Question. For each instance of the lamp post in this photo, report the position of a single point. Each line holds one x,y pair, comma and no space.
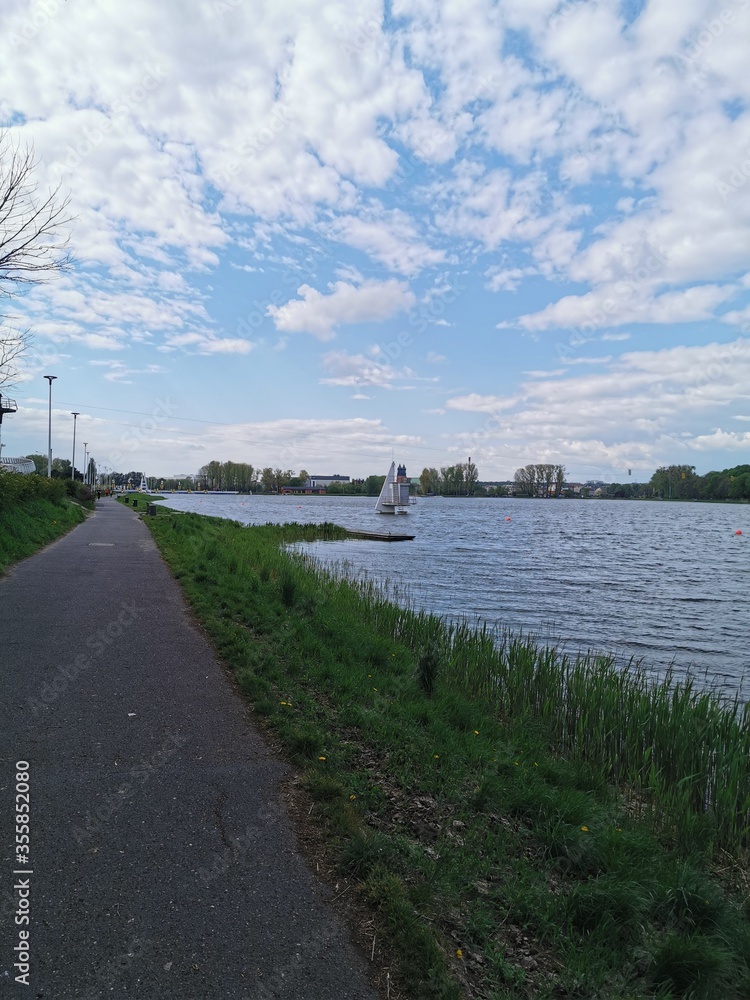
73,464
85,457
50,379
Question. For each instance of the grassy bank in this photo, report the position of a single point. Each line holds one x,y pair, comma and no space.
520,825
34,511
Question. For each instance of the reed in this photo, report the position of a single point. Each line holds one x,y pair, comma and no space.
683,750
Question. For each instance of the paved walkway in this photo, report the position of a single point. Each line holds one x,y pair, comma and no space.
163,863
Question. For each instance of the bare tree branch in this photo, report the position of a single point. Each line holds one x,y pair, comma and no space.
14,345
34,241
33,231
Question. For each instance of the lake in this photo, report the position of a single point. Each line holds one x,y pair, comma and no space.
662,582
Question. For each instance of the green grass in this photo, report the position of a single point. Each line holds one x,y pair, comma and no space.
34,511
520,824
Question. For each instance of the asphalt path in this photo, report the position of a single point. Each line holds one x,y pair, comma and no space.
161,860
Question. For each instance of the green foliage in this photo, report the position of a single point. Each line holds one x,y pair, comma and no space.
532,795
427,669
33,511
15,489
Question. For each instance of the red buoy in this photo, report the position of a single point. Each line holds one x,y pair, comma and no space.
507,519
738,532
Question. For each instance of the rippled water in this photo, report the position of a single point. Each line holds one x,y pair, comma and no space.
663,582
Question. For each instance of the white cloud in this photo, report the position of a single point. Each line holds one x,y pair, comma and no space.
618,304
389,237
358,370
319,314
476,403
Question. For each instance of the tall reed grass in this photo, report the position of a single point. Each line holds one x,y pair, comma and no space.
680,752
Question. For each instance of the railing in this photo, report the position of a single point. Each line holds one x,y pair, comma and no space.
23,465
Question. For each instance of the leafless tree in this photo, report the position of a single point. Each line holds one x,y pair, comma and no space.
34,241
14,345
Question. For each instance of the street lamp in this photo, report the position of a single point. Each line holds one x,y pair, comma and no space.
85,457
73,465
50,379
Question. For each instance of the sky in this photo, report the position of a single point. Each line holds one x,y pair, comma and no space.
322,235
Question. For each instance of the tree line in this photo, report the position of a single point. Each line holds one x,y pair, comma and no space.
681,482
459,480
540,480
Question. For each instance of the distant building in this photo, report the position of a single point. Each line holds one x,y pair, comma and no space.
314,481
306,489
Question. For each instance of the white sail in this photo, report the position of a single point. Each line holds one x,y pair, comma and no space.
385,498
394,496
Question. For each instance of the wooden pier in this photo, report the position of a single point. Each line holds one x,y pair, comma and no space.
379,536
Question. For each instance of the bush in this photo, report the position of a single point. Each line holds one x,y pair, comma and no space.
16,488
78,491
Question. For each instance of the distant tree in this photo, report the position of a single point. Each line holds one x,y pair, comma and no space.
40,464
559,479
525,481
543,479
429,481
471,475
373,485
676,482
452,477
61,468
267,479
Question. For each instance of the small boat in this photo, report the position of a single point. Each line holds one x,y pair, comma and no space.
394,497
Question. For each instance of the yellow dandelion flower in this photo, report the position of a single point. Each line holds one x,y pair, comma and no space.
436,756
459,953
321,758
585,829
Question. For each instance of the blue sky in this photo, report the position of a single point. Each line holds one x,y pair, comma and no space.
316,234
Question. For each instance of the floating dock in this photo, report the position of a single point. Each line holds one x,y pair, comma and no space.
380,536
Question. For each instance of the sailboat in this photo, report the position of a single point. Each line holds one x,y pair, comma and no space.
394,497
